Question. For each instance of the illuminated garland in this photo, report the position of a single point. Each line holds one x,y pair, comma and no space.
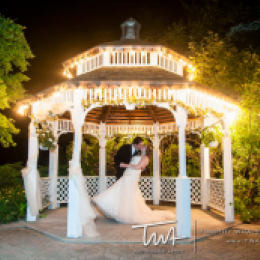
143,102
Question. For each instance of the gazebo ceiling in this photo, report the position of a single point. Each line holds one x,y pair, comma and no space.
119,115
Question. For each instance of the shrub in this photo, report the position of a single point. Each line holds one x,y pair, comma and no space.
12,204
170,161
12,197
10,175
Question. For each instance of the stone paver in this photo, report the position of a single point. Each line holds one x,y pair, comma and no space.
27,244
55,226
20,241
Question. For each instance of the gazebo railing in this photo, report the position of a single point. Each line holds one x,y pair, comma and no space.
168,188
216,194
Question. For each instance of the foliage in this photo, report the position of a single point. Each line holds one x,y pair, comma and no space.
12,197
170,161
211,134
247,198
12,204
89,155
221,66
246,146
45,135
62,170
10,175
217,15
176,37
14,53
246,164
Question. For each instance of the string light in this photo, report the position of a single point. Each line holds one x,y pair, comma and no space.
22,109
56,94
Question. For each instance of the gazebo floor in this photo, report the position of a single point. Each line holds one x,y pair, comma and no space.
55,226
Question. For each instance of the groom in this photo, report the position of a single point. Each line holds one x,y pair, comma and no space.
125,153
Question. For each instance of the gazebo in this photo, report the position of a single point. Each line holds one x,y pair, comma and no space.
128,87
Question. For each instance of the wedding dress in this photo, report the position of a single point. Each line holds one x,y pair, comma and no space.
123,201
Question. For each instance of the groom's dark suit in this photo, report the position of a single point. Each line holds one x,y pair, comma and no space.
124,155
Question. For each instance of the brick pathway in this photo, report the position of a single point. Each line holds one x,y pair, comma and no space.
28,244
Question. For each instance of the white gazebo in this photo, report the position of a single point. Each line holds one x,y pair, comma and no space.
129,86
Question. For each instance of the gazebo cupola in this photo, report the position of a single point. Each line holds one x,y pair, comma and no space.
129,87
130,29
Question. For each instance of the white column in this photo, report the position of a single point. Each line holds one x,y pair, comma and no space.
102,158
205,175
74,228
53,173
156,166
32,163
228,175
183,204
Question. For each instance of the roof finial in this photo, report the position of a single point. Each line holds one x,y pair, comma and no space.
130,29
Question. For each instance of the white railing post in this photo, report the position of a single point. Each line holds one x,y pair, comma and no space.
53,173
205,175
228,175
53,169
156,166
102,158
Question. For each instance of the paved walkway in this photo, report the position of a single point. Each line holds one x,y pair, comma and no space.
17,242
55,226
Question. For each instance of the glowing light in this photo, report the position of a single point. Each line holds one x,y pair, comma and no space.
132,52
191,77
193,69
22,108
56,94
170,55
190,66
231,117
64,73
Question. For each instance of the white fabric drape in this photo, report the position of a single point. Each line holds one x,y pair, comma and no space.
86,212
34,198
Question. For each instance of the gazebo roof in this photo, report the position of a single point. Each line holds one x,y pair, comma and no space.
127,42
131,74
131,67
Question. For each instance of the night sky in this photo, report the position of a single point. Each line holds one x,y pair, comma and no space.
59,30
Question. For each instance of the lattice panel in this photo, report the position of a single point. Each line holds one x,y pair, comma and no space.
195,191
46,187
168,188
91,184
62,189
216,194
110,180
146,187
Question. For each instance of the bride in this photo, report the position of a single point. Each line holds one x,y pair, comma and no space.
123,201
